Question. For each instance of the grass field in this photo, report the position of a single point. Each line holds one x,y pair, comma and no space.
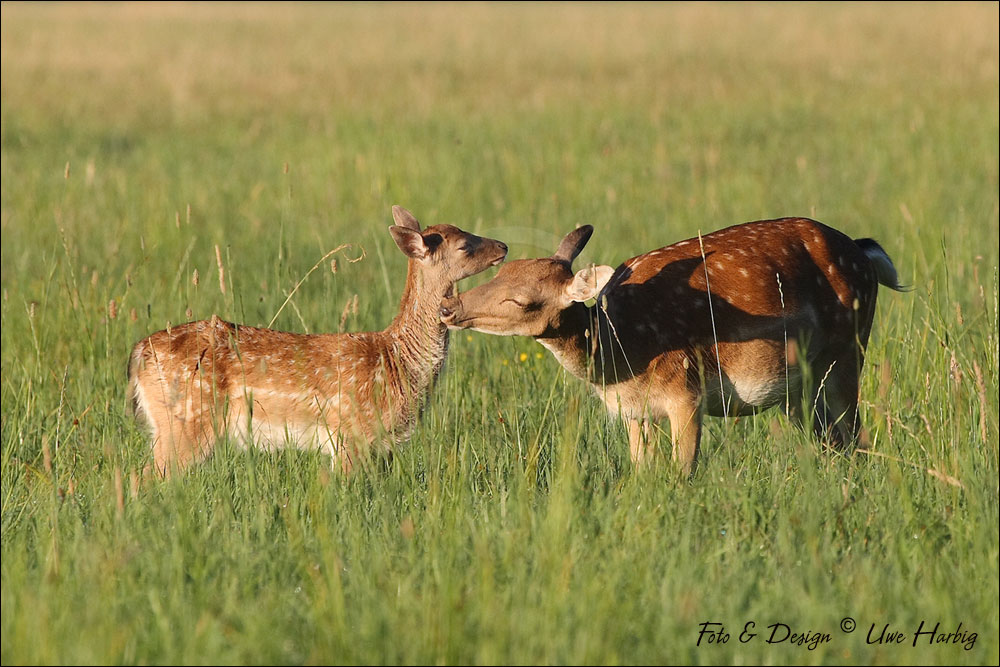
140,141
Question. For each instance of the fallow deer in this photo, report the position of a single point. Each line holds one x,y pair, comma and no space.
722,324
346,394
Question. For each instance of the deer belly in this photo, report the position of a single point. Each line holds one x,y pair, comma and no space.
272,419
747,394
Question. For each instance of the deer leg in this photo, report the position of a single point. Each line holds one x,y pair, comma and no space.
839,397
685,431
347,457
183,437
793,409
832,400
173,455
639,443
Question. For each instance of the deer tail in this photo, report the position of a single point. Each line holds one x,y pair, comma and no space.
884,268
134,359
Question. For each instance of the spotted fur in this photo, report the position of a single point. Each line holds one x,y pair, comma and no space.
346,394
726,324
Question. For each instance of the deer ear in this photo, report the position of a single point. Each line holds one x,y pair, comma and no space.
573,244
409,241
588,283
404,218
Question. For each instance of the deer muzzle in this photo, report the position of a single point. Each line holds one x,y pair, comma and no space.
450,312
502,249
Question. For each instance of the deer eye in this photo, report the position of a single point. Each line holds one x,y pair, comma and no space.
524,305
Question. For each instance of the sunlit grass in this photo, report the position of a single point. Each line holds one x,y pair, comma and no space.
148,149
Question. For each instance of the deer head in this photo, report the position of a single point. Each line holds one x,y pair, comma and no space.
447,252
530,297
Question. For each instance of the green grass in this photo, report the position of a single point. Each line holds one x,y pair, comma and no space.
512,527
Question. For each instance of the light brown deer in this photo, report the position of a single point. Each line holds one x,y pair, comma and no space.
726,324
344,393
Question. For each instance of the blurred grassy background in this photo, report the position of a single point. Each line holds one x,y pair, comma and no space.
137,138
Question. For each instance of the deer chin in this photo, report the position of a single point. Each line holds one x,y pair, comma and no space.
491,332
470,324
454,322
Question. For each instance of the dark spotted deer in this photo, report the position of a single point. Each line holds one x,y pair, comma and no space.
725,324
344,393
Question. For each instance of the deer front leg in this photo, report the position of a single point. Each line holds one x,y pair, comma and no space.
685,431
640,446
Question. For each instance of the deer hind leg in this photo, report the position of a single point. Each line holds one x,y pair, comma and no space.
183,434
175,454
839,400
180,447
831,401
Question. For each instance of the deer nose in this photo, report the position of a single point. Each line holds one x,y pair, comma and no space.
447,314
503,252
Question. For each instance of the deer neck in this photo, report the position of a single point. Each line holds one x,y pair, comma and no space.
417,338
572,341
